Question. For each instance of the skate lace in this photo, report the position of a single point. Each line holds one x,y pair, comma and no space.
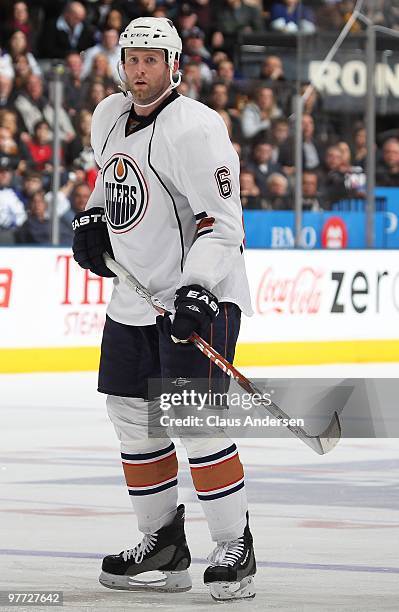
227,553
137,553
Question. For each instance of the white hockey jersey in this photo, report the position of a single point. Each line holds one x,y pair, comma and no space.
170,190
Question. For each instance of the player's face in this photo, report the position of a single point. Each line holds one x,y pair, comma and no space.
147,74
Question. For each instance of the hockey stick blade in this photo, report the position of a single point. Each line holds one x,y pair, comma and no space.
321,444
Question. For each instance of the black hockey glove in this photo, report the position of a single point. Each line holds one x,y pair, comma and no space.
91,240
196,308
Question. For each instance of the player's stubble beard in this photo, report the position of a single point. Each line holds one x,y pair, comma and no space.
152,93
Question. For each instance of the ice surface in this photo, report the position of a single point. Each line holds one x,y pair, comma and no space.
325,528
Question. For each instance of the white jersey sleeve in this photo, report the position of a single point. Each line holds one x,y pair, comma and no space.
207,172
101,123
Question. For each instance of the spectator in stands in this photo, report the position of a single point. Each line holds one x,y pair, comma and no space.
359,148
258,115
22,72
193,84
289,16
37,227
234,18
219,56
187,18
9,120
225,74
272,69
312,150
31,183
69,179
20,20
355,177
388,170
279,133
73,83
12,212
95,94
161,11
109,46
6,94
329,16
40,147
194,50
9,147
11,144
32,106
310,192
68,33
204,12
334,180
334,15
218,100
249,191
313,105
278,197
102,71
115,21
18,45
79,198
79,152
98,13
272,75
138,8
261,164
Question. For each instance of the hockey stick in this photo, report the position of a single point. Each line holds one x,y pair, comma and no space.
322,444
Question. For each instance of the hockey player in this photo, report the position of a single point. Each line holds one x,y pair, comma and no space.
166,206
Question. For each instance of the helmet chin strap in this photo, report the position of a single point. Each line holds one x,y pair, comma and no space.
173,84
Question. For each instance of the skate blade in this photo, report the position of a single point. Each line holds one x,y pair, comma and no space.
231,591
164,582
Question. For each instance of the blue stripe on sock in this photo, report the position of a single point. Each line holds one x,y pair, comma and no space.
222,453
221,494
163,487
143,456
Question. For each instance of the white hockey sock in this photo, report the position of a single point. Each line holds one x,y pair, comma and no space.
218,478
151,479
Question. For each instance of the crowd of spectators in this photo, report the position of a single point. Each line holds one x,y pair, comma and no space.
83,37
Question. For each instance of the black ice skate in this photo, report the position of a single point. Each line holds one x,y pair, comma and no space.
230,575
165,551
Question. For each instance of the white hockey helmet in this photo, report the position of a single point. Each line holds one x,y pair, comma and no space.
153,33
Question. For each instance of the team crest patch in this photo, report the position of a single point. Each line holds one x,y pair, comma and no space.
126,193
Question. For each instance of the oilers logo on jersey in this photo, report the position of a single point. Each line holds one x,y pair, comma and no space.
126,193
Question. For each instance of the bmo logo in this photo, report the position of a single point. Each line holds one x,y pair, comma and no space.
334,234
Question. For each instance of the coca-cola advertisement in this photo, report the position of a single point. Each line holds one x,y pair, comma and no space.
322,295
296,294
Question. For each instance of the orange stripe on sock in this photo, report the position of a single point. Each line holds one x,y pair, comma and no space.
148,474
211,477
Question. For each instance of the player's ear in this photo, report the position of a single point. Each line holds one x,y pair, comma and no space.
175,66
